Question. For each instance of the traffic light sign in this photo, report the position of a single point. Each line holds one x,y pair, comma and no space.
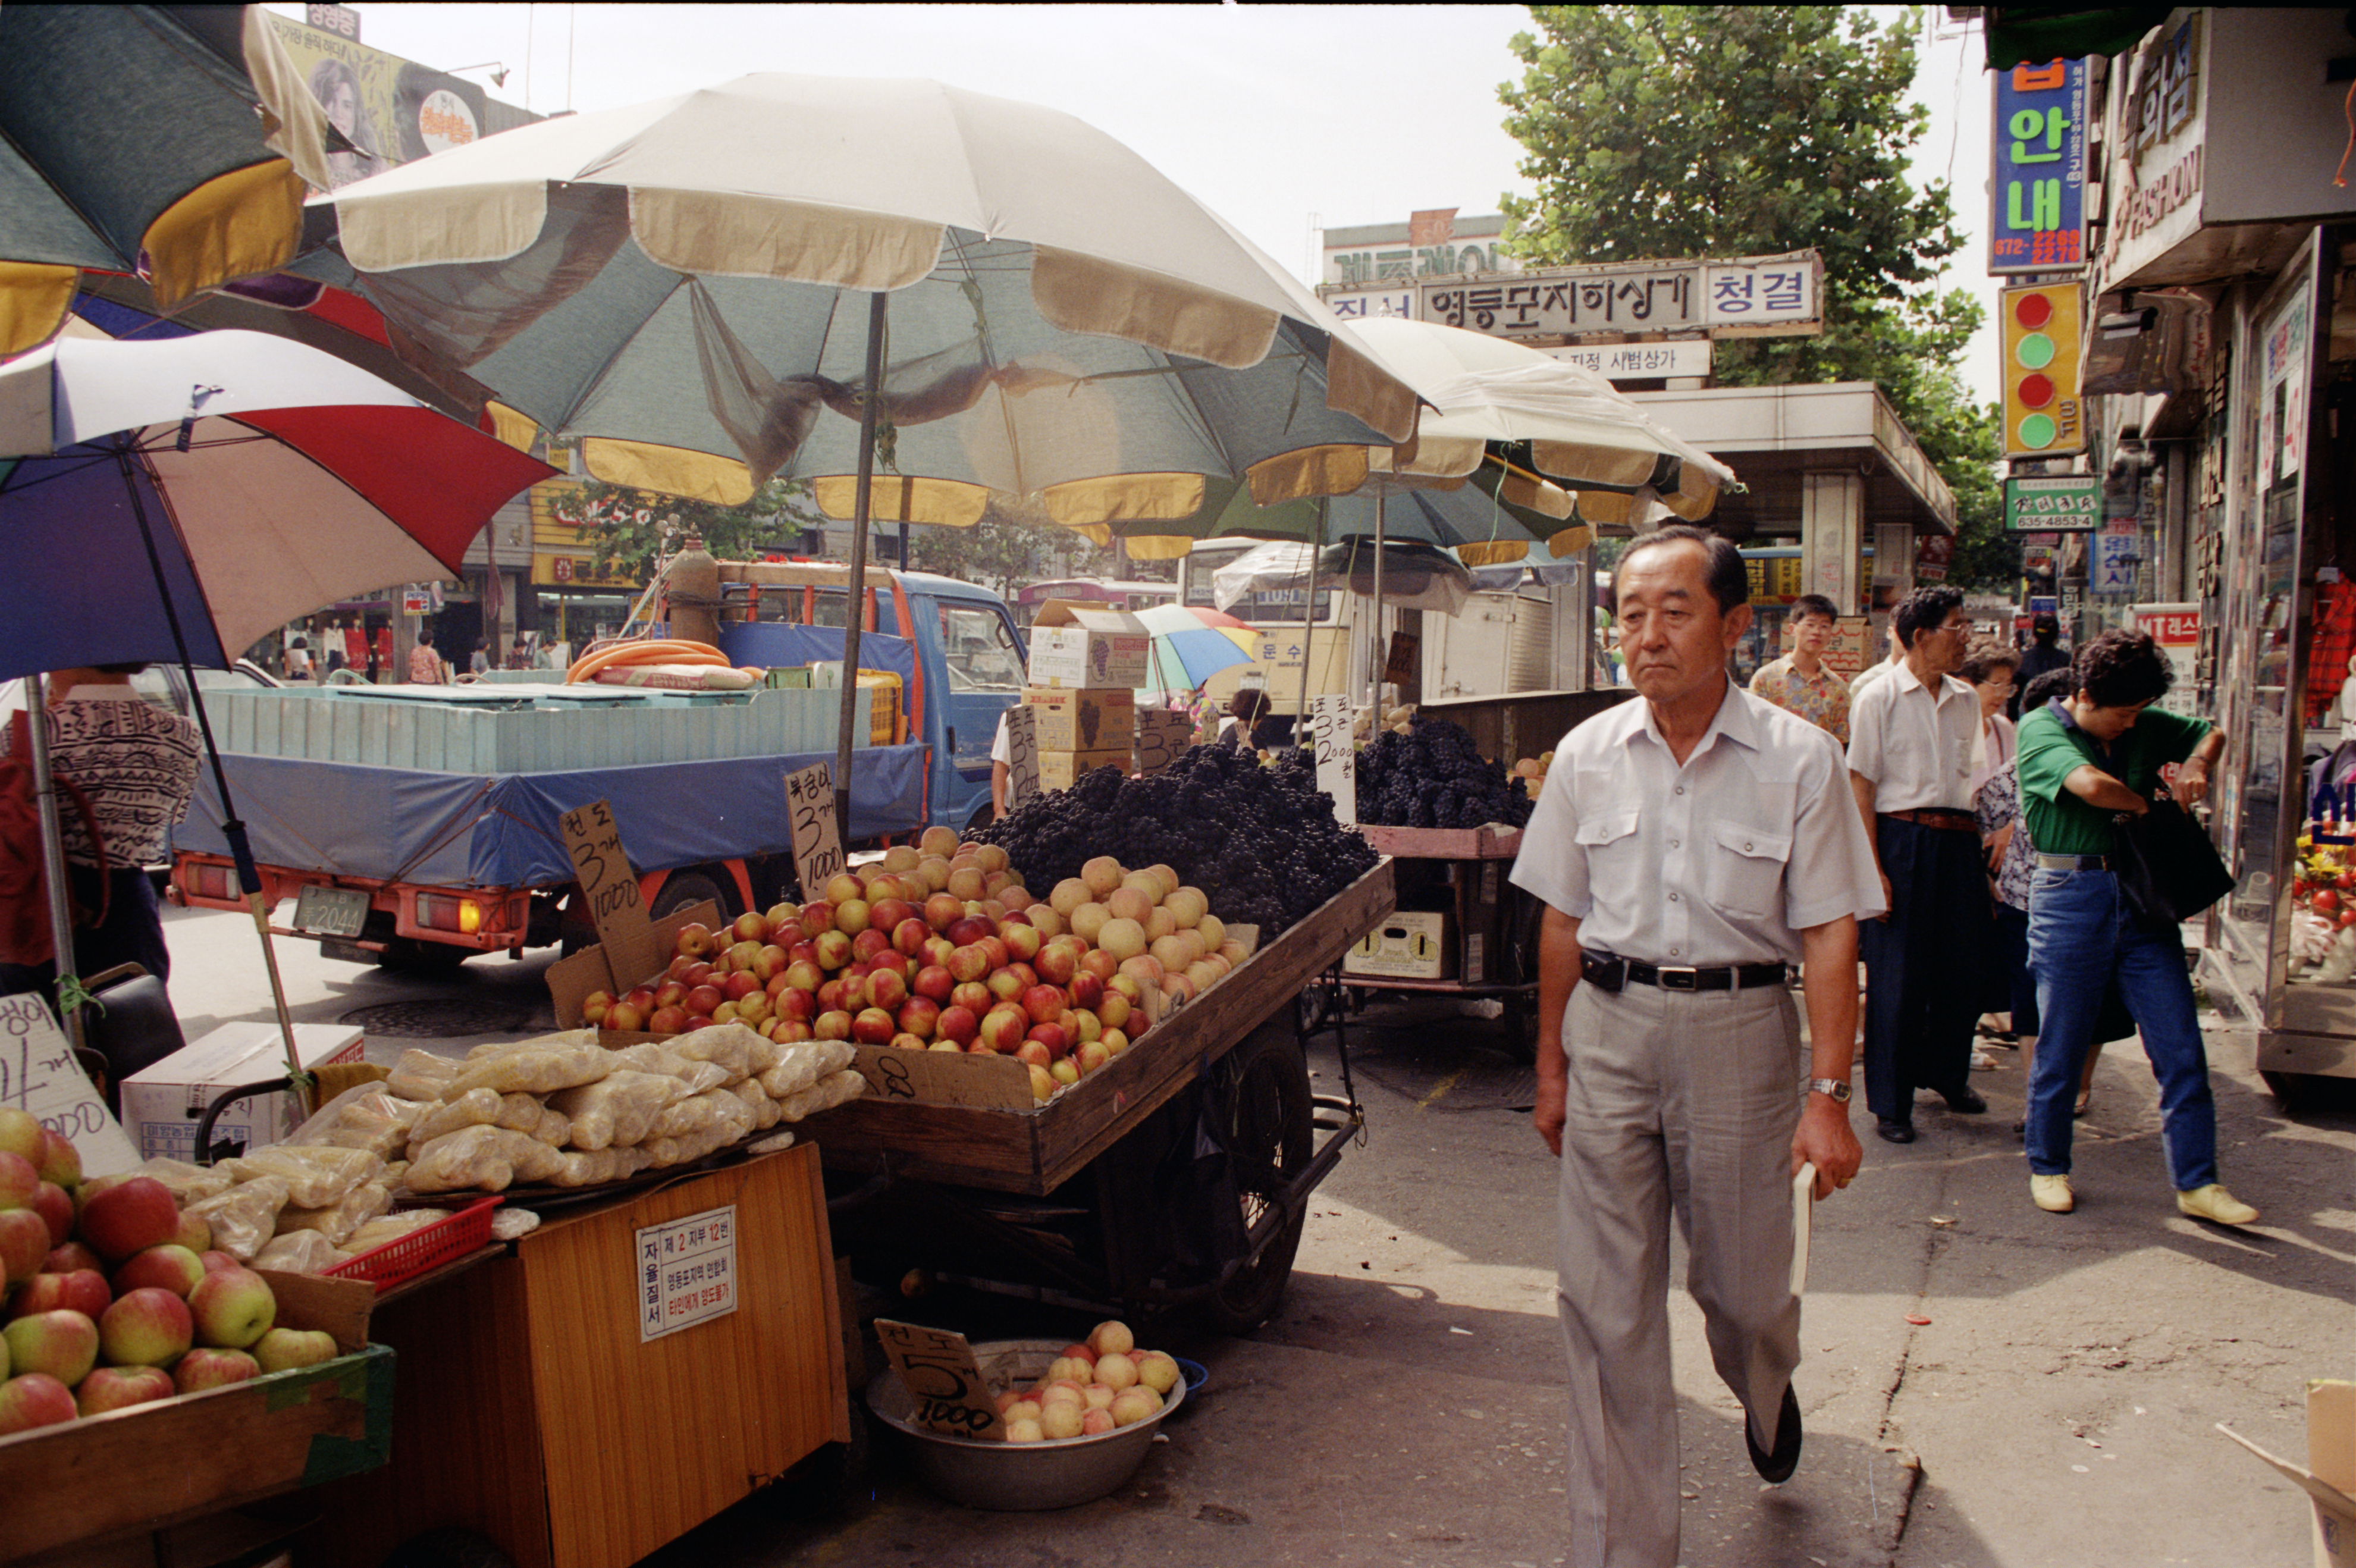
2044,416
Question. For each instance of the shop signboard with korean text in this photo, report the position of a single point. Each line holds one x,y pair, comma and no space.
2038,218
687,1273
2056,503
1751,296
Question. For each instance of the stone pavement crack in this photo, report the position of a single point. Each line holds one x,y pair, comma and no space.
1891,1516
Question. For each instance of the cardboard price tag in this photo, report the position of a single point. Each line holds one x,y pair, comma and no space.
611,888
38,1075
1021,756
818,838
1404,662
1337,759
951,1393
1161,738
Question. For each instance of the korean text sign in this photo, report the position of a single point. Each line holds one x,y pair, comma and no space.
2038,222
687,1273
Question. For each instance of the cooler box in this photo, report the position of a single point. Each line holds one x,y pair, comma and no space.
1408,945
162,1104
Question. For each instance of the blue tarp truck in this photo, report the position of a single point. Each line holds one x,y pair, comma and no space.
415,826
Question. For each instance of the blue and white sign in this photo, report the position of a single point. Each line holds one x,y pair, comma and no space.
2117,552
2038,222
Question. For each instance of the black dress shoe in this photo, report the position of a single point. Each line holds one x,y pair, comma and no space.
1966,1102
1890,1130
1777,1468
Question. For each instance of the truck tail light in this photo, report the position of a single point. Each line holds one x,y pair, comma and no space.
200,879
441,912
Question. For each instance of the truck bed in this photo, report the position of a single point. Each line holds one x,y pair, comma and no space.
475,830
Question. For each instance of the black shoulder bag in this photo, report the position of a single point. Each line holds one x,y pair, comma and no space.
2167,869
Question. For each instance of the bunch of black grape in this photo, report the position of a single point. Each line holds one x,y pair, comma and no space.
1261,843
1433,776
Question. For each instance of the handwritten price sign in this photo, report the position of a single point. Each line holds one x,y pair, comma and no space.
1021,756
1337,759
610,885
951,1396
1161,738
38,1075
817,839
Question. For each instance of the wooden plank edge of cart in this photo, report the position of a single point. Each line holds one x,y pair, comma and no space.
905,1146
1513,965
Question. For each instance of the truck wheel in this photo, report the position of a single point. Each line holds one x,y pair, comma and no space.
407,955
686,887
1265,1112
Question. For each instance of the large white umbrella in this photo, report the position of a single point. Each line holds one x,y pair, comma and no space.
705,288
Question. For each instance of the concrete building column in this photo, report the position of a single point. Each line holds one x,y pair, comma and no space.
1831,537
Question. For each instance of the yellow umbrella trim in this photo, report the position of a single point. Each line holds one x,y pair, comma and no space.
1574,461
1086,293
517,430
1572,540
1493,552
673,470
1125,498
722,235
234,225
1157,546
1310,471
896,498
35,300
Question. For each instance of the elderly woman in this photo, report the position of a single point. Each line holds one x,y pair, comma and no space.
1989,669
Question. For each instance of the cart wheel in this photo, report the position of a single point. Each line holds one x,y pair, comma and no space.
1270,1130
448,1549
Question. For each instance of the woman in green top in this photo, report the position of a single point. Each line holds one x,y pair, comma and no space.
2084,763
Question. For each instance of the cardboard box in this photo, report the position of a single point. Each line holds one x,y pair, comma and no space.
1061,769
1408,945
2328,1477
163,1103
1088,646
1162,736
1074,718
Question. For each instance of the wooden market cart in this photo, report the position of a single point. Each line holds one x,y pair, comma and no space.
533,1411
1462,872
1178,1174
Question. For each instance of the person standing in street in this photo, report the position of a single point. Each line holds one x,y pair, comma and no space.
1801,681
425,666
2084,763
2042,656
135,762
1688,848
1910,762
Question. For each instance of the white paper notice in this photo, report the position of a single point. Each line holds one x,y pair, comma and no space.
687,1273
1337,759
39,1074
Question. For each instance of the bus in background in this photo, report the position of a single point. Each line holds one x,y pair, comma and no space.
1119,594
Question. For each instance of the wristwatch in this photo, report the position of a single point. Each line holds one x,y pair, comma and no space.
1837,1087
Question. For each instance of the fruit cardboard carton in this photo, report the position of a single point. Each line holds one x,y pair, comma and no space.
1077,644
130,1471
2328,1477
1061,769
163,1103
1071,718
571,979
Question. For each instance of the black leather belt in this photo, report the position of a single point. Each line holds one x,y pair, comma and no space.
2072,862
1609,971
1939,818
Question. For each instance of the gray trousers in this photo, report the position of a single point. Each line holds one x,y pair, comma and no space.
1679,1103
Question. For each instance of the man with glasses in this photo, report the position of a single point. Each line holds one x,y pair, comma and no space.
1909,759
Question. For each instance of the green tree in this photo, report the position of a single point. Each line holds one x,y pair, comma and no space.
628,527
1011,545
1674,131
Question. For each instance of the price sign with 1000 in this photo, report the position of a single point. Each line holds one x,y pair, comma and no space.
1021,755
945,1382
818,838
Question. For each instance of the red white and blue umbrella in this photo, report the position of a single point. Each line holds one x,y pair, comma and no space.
254,477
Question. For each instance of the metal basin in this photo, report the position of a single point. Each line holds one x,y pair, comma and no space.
1017,1477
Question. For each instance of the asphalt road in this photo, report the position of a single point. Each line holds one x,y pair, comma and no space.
2052,1405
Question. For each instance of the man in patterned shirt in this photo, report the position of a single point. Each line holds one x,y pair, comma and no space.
1801,682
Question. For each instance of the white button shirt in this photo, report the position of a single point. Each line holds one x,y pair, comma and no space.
1915,745
1723,860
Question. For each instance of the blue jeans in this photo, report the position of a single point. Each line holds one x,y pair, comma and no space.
2082,938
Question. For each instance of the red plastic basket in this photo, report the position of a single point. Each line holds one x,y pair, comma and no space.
427,1248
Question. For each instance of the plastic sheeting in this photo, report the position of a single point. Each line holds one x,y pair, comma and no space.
773,645
451,830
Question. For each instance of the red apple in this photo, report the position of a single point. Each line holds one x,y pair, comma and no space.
783,916
753,1009
33,1400
1033,1053
865,944
854,989
834,1024
795,1003
818,918
641,997
874,1026
850,916
679,967
936,983
893,960
1000,955
1021,936
1057,962
920,1016
1002,1028
752,928
968,928
906,1042
958,1024
702,999
132,1218
1051,1036
842,886
84,1291
974,994
803,951
73,1255
937,949
790,1031
886,990
1014,915
623,1019
769,962
697,973
1005,984
168,1267
216,1261
1044,1003
943,910
593,1005
968,963
911,935
120,1388
1086,989
740,985
1100,963
670,1020
694,939
804,974
886,914
670,994
1114,1010
51,1202
829,995
833,949
743,956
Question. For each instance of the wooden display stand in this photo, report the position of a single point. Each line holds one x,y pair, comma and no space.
530,1409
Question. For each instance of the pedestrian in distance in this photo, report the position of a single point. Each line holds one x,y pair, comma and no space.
479,662
1801,681
1688,848
1989,669
1910,758
2042,656
298,658
2084,762
425,666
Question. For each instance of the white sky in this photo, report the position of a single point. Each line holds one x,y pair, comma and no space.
1282,118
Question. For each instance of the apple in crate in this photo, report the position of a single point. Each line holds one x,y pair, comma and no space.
83,1291
233,1308
284,1347
170,1267
20,1179
24,1242
874,1026
34,1400
146,1327
209,1368
119,1388
62,1344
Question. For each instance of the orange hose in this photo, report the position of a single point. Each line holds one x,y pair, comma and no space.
657,650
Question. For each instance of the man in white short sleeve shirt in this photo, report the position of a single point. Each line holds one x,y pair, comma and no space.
1688,847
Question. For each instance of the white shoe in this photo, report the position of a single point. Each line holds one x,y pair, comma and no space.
2214,1204
1982,1061
2052,1194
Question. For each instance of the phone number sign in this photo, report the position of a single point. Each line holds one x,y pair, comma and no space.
687,1273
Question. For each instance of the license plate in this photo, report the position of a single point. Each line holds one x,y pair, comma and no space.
331,911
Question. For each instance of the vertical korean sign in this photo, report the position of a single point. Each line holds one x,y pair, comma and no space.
2037,223
687,1273
1337,759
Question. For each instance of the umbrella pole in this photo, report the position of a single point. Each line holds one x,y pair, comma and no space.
53,857
855,603
1375,691
248,875
1309,624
